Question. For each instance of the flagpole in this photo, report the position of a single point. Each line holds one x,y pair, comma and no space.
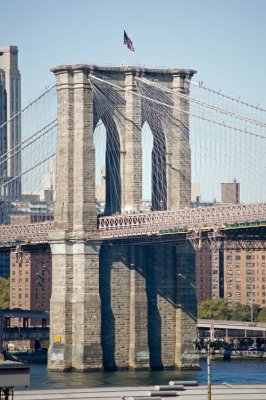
124,62
127,42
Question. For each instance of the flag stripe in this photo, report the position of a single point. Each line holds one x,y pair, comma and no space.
128,42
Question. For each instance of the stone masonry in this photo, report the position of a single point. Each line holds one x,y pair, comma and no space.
118,305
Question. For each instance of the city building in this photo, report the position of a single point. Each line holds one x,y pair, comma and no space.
30,279
245,277
209,273
10,133
30,269
230,192
237,275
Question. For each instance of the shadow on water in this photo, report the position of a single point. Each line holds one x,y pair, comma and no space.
234,372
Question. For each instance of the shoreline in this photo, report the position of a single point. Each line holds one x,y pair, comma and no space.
41,358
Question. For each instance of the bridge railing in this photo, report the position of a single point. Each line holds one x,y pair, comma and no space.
191,219
32,233
151,223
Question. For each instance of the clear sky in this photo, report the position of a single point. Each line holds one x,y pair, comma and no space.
224,40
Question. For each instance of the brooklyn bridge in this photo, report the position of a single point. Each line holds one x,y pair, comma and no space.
123,293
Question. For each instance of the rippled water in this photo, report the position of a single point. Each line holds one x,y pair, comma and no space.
235,371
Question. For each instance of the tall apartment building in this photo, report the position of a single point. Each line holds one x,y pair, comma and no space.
30,279
245,277
237,275
10,133
209,273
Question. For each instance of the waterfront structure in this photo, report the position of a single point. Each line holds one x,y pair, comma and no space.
10,104
124,305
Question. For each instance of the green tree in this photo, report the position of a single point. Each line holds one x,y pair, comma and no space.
221,309
261,317
214,309
4,293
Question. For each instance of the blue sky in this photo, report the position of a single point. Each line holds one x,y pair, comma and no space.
224,40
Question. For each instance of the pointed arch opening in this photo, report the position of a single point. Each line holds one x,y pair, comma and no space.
154,165
107,168
147,146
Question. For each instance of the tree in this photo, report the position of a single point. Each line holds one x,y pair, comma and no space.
262,315
214,309
4,293
221,309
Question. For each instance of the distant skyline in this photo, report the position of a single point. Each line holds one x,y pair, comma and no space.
223,40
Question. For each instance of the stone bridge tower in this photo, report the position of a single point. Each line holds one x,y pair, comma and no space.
126,305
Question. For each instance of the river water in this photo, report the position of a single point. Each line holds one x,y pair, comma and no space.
234,371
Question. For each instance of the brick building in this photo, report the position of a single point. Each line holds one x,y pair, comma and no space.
236,275
30,279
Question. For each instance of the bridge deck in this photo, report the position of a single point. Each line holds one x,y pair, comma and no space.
153,223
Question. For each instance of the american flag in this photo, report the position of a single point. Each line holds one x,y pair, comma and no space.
128,42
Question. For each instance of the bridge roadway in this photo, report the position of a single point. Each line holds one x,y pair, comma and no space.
127,225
